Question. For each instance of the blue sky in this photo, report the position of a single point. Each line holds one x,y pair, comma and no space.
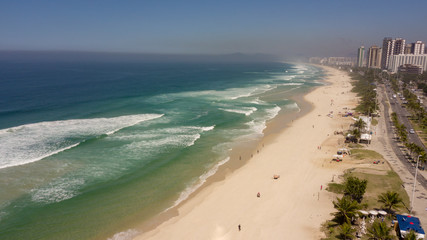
286,28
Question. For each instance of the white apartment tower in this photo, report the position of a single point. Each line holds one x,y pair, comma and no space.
418,48
360,56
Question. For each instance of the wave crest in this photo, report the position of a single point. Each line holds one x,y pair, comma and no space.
33,142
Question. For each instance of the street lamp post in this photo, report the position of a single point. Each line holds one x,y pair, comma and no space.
415,182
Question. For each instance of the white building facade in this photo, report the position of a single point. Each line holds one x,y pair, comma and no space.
396,61
418,47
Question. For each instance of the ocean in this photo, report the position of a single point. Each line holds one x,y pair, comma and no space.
90,149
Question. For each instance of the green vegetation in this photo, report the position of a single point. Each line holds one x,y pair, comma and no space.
411,235
346,209
346,232
374,122
378,184
336,188
364,85
390,200
355,188
417,110
360,124
365,154
387,186
380,231
400,128
403,135
422,86
355,145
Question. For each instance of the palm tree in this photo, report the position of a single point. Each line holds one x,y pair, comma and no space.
411,147
360,124
346,232
402,133
356,133
390,200
347,209
379,231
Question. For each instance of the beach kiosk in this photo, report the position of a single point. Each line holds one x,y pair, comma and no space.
406,223
365,138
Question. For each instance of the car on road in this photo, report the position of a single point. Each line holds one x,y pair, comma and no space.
411,131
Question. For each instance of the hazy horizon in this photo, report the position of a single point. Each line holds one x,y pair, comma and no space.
288,30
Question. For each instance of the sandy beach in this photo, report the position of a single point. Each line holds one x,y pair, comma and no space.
291,207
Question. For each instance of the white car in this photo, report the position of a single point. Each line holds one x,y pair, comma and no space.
411,131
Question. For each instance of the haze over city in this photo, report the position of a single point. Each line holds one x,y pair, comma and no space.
283,28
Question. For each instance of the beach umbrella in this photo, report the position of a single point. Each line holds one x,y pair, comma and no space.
382,212
363,212
373,212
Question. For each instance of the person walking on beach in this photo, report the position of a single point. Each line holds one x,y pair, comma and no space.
239,227
258,194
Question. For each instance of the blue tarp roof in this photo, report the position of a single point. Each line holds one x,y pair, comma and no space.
408,223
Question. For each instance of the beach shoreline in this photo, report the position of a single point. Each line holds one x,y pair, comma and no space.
185,215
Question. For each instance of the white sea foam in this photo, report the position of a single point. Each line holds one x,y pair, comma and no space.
198,183
272,112
33,142
155,140
256,127
245,110
214,95
258,101
57,191
293,106
126,235
292,84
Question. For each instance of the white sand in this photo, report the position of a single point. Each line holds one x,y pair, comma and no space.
291,207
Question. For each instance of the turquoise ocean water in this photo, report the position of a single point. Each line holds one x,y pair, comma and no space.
89,149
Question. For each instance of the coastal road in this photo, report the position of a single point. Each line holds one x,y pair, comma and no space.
400,109
389,126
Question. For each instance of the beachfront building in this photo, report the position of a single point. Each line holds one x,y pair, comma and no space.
391,47
411,69
374,57
388,44
398,60
360,56
399,46
418,48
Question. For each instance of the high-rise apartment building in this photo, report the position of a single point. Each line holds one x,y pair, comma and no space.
360,56
418,47
399,46
388,44
391,47
374,57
